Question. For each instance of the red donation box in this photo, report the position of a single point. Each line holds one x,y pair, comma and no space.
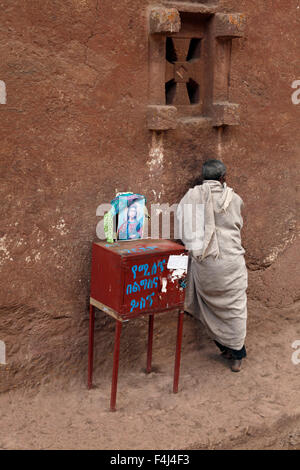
130,279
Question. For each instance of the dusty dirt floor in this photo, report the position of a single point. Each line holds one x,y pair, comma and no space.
258,408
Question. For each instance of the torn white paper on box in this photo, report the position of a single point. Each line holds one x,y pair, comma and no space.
178,262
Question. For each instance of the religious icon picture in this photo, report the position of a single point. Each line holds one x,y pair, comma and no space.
131,217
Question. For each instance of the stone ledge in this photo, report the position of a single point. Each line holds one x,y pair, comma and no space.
230,25
225,114
195,122
161,118
193,7
164,117
164,20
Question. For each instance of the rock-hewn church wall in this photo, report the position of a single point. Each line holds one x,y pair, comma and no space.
74,92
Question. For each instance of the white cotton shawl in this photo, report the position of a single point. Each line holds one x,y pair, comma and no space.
196,217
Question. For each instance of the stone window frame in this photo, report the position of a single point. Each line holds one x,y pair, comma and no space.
164,21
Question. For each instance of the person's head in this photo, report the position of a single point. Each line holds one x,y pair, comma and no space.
214,170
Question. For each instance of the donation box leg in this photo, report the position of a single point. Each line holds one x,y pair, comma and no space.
114,383
91,346
178,351
150,343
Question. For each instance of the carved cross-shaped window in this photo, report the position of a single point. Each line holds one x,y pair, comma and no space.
183,70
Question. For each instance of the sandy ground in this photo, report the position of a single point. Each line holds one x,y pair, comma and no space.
214,409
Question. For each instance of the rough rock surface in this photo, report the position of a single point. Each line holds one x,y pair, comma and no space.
73,131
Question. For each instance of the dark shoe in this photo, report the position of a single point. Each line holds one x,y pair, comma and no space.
226,354
236,365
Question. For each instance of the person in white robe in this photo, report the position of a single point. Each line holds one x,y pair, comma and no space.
210,222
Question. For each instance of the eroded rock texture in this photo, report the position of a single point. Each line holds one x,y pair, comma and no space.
73,131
